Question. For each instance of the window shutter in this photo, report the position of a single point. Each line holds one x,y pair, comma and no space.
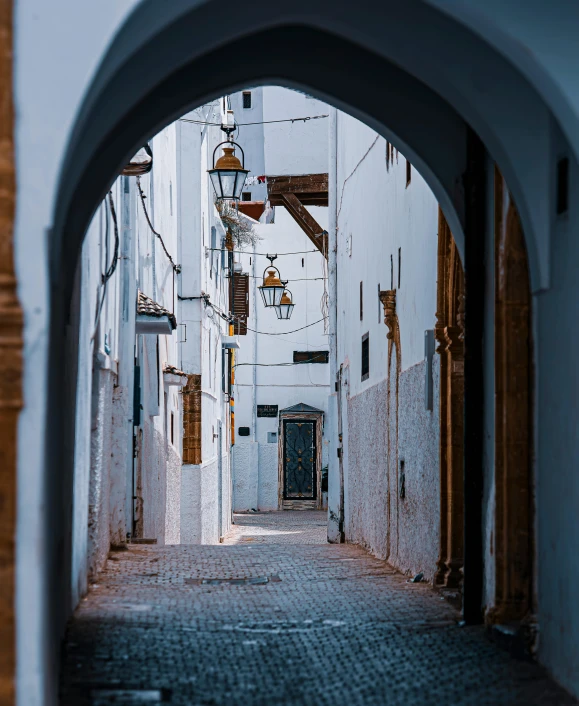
192,420
240,303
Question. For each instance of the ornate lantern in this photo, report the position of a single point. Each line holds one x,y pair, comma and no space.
272,289
228,173
286,306
141,163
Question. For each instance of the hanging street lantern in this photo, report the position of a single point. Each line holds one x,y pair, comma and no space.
228,173
286,306
272,289
141,163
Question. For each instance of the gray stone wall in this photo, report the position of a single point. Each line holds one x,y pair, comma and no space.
418,514
100,468
383,431
154,481
122,404
268,477
173,504
200,504
245,460
367,501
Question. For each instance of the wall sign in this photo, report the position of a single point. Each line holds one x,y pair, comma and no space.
267,410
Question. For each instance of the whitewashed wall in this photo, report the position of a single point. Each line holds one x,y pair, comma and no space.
205,488
160,455
387,239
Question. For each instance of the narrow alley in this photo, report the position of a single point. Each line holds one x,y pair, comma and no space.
288,353
276,615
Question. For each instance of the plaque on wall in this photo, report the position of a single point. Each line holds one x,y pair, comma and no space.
243,431
267,410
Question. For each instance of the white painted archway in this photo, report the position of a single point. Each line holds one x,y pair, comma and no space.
421,73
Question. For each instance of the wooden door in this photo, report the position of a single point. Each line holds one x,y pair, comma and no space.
300,472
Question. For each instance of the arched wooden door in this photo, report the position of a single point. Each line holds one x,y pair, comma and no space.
513,532
449,332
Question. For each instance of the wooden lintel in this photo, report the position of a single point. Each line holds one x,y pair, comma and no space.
307,199
307,222
297,184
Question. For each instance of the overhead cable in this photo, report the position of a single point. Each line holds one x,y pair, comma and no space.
260,122
114,261
176,268
265,254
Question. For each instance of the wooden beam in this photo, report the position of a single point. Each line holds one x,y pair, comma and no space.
317,199
307,222
298,184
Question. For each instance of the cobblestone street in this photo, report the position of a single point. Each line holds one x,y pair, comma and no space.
277,616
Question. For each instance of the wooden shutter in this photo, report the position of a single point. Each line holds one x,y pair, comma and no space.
192,420
240,302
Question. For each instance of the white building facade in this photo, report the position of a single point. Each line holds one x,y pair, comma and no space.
282,368
384,483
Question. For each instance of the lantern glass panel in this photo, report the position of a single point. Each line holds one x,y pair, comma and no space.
284,311
271,295
239,184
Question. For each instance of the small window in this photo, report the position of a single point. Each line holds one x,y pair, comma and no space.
247,99
246,196
365,356
361,301
172,428
303,261
311,356
272,437
408,173
562,186
243,431
399,265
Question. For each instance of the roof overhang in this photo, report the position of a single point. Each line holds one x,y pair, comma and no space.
174,379
156,325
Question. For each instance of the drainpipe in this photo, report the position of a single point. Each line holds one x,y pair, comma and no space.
254,353
126,377
335,481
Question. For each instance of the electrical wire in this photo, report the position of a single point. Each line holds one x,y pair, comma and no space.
274,365
262,122
115,259
303,279
176,268
351,174
235,319
265,254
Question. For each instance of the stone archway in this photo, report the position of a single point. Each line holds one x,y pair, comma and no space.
157,57
513,533
449,333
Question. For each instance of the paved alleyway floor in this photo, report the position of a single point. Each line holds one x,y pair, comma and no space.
276,615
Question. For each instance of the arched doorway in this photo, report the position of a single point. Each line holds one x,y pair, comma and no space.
144,88
513,533
104,140
449,333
